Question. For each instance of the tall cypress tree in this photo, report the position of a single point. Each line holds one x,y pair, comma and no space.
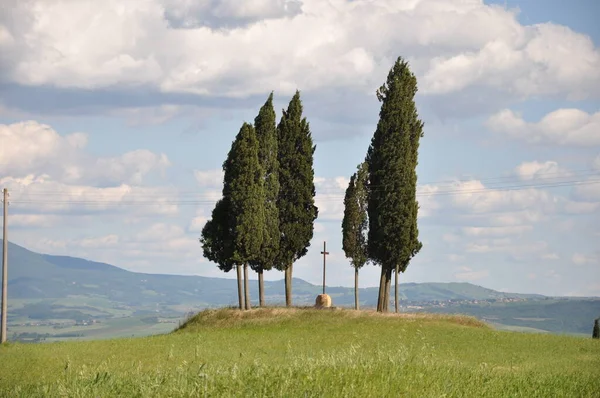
355,223
296,205
596,330
244,190
217,244
392,160
266,133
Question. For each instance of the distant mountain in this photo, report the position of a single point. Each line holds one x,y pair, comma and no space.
47,291
39,276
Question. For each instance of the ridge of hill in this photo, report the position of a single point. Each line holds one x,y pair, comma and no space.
34,275
48,292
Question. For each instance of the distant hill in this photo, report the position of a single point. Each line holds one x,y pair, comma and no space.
38,276
50,290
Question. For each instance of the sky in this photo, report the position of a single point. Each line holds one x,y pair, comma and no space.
116,117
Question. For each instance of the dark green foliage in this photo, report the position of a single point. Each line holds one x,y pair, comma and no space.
297,210
596,332
392,159
216,237
296,204
266,133
355,222
244,190
234,234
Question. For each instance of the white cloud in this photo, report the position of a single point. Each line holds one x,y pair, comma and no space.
226,13
468,274
197,223
496,231
550,256
33,220
517,250
100,242
452,45
596,163
571,127
33,194
582,259
150,115
475,197
209,178
540,170
329,197
456,258
528,61
30,148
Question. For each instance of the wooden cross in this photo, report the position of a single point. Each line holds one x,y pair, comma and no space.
324,253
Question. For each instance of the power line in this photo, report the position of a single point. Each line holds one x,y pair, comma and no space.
334,197
198,195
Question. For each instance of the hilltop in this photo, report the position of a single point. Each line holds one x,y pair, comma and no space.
307,352
61,297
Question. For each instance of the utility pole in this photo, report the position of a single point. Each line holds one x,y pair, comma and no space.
324,253
4,267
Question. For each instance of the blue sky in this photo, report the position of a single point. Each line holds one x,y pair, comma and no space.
105,104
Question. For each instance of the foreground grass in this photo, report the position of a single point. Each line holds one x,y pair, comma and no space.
303,352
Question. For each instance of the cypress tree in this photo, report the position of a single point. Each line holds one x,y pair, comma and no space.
392,160
266,133
216,240
244,190
295,204
355,223
596,331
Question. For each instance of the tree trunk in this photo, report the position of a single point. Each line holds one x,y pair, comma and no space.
261,288
246,288
288,286
239,281
381,290
388,284
396,289
356,289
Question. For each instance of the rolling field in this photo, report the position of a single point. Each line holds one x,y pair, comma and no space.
305,353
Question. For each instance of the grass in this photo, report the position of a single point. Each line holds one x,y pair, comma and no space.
306,353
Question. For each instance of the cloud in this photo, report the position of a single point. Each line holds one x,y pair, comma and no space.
33,220
101,242
30,147
150,115
197,223
582,259
550,256
566,127
41,194
468,274
523,63
496,231
587,194
456,258
226,14
329,197
516,250
475,197
538,170
160,248
209,48
596,163
209,178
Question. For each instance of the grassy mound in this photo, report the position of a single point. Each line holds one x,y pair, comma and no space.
306,353
231,317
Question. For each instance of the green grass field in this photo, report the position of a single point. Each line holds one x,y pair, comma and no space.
310,353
